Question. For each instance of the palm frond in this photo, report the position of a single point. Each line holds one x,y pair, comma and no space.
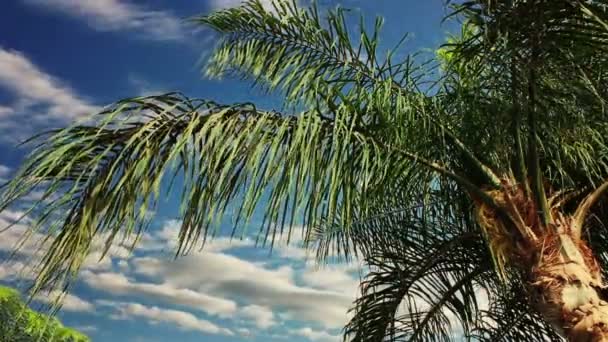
293,48
509,317
107,177
489,80
316,61
426,271
432,279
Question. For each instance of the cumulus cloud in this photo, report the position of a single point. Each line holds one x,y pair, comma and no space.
31,245
181,319
244,332
118,15
14,270
231,277
315,335
261,315
13,237
211,282
119,284
331,277
69,302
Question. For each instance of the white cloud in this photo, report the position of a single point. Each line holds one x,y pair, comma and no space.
244,332
166,239
316,336
86,328
331,277
69,302
15,270
39,99
221,4
261,315
181,319
33,87
144,87
13,237
4,170
211,281
119,284
33,246
119,15
231,277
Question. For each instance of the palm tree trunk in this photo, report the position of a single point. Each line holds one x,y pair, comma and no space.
568,291
564,278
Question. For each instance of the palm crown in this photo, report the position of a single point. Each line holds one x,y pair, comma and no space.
455,180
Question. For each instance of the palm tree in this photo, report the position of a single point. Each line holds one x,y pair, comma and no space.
470,185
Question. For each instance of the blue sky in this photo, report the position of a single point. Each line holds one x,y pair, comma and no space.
61,59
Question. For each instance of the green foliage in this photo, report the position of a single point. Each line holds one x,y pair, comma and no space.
373,159
431,278
18,323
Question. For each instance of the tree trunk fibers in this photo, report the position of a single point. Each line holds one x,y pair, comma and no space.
568,291
564,277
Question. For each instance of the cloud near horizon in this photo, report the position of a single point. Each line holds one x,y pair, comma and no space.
257,298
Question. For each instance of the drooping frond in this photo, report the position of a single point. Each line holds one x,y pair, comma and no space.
331,240
426,272
422,291
509,317
432,279
580,215
308,56
107,177
318,61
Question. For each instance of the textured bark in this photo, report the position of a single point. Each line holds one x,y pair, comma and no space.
568,290
565,280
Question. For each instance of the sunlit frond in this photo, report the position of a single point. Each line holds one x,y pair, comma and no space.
107,177
309,56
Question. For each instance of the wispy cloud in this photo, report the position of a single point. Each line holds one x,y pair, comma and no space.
263,297
144,87
39,99
87,328
119,15
228,276
5,171
34,87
